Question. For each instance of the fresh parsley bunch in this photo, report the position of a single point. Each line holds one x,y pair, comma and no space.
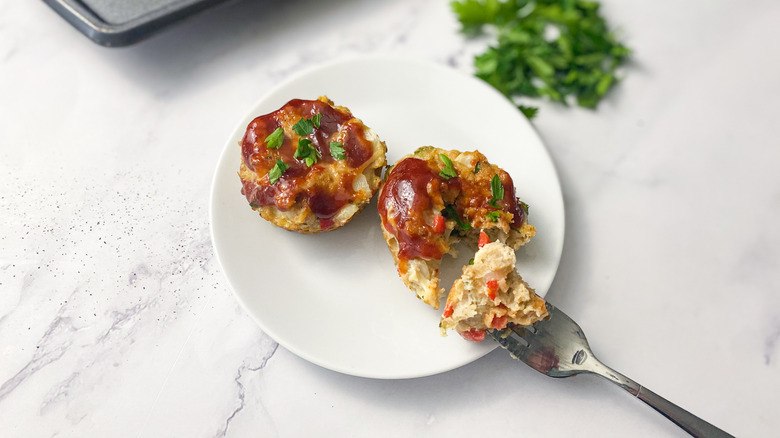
554,48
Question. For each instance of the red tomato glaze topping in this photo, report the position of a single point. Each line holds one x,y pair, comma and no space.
404,197
301,183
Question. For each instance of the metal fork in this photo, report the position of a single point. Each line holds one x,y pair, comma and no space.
556,346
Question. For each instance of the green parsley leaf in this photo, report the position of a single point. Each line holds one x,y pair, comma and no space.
276,172
304,148
553,48
337,150
528,111
497,189
275,139
316,120
471,261
307,152
422,150
474,13
304,127
493,215
448,171
450,213
476,167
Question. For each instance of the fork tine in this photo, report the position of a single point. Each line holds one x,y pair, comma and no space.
522,331
549,346
516,345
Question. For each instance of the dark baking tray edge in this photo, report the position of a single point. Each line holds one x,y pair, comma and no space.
117,35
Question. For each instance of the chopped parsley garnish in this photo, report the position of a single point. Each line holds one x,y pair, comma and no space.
275,139
448,171
553,48
528,111
316,120
493,215
337,150
277,171
422,150
304,127
471,261
450,213
307,152
476,167
497,189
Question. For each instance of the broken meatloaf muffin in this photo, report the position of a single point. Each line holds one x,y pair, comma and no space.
310,166
489,295
434,197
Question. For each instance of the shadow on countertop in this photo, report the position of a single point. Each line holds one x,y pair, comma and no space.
240,35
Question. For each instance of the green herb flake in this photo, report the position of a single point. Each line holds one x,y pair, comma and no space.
471,261
316,120
476,167
275,139
497,190
307,152
276,172
422,150
337,150
493,215
553,48
304,127
448,171
450,213
528,111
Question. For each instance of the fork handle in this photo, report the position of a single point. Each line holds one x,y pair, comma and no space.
679,416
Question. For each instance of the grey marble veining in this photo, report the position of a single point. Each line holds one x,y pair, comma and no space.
115,319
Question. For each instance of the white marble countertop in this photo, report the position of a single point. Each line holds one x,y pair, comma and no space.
115,319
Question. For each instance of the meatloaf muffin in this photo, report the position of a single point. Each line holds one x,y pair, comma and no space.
489,295
310,166
435,197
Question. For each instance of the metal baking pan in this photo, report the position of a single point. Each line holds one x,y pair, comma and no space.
116,23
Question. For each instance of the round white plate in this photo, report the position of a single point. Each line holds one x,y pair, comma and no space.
334,298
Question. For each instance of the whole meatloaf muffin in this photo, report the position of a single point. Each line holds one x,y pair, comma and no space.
490,295
433,198
310,166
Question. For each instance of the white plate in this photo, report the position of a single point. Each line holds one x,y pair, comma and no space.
334,298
